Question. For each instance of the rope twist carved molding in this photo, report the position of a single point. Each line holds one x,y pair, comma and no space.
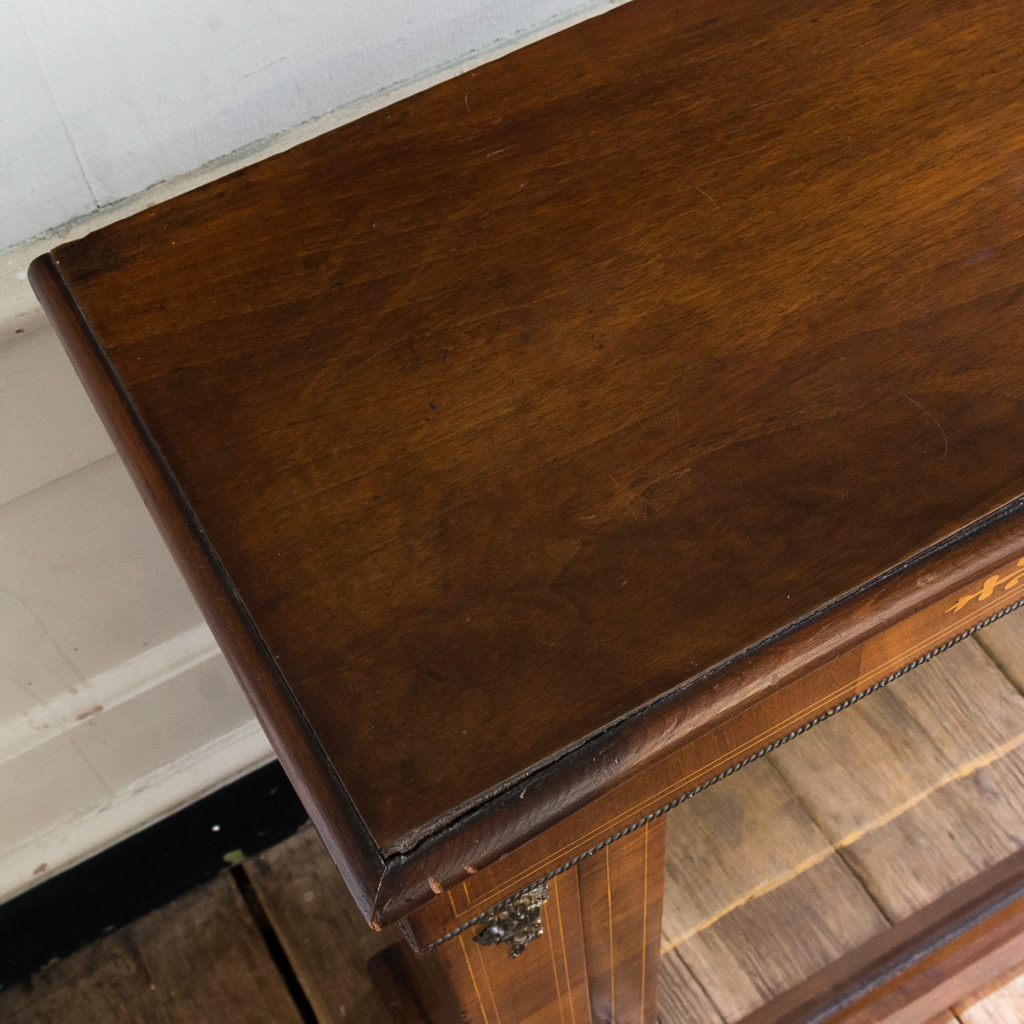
496,911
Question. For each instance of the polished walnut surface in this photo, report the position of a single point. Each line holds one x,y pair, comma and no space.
505,411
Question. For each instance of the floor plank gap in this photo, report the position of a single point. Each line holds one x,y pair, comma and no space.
275,949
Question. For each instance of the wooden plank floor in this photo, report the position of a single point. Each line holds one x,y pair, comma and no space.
874,814
772,873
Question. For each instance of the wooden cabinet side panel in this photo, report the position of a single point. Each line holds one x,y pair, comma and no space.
621,891
545,984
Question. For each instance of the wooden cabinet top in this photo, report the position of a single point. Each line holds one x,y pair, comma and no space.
498,421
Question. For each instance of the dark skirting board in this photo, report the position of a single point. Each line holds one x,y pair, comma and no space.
146,871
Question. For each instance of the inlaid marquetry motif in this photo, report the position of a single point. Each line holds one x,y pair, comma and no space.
516,923
1008,582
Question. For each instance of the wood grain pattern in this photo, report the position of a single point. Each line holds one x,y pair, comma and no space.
320,928
387,971
920,787
770,944
533,406
289,731
548,983
741,840
200,959
923,775
756,901
1003,642
681,1000
621,901
743,837
710,738
1000,1005
922,965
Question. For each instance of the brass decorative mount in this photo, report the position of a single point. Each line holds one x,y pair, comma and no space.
516,922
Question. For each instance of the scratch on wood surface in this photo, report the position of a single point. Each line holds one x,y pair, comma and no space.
329,369
942,431
707,197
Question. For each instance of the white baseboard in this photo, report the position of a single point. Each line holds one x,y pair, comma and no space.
173,728
125,682
93,829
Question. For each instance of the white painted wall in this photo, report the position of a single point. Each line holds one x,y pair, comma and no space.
115,705
115,95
